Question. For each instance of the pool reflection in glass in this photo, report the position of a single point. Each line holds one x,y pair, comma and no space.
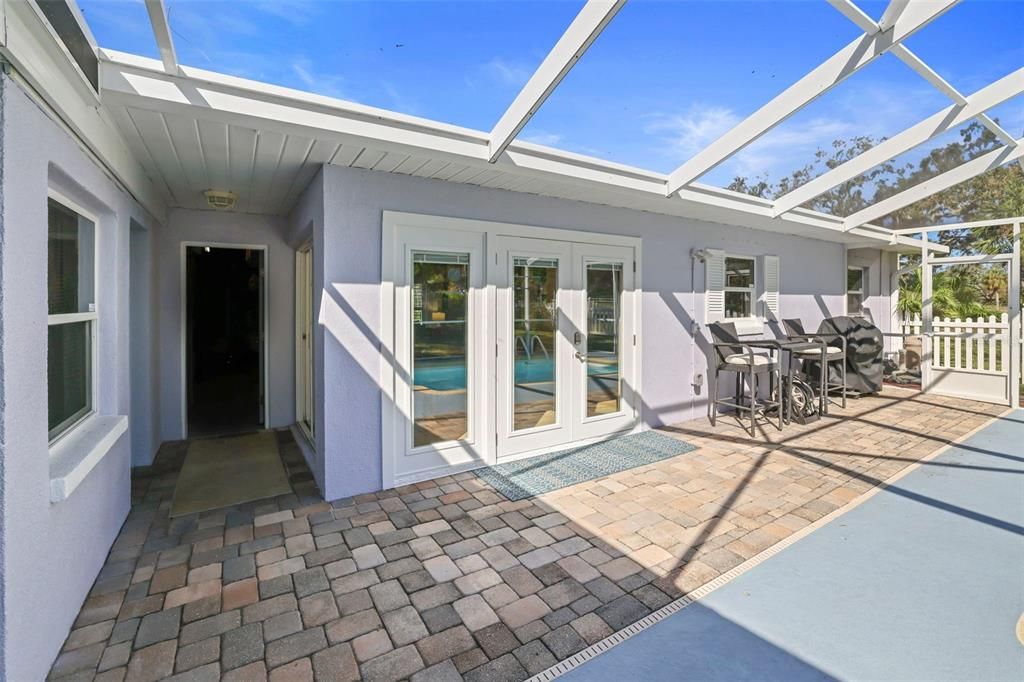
534,319
604,294
440,317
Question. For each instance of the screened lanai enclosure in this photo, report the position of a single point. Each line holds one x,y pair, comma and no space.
374,257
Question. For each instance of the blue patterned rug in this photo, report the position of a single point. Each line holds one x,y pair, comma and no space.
544,473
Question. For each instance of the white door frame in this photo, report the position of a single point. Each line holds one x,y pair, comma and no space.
304,377
393,370
183,323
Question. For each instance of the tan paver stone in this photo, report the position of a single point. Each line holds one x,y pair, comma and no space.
296,671
475,612
168,578
336,663
371,645
190,593
522,611
152,663
238,594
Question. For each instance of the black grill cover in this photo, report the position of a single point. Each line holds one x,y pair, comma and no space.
864,346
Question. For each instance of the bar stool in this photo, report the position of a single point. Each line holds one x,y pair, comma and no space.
731,355
833,354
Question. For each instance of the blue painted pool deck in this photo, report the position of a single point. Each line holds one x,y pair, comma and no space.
923,581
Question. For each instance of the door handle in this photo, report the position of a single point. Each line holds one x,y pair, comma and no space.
581,356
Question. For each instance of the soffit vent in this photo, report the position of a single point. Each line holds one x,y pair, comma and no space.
220,199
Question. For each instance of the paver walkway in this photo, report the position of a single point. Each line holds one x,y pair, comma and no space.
920,582
447,579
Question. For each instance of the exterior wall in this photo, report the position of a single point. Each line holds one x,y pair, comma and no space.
880,265
144,345
52,552
226,228
812,286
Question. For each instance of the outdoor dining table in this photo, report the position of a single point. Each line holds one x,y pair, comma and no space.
792,346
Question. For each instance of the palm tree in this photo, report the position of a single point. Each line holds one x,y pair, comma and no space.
955,294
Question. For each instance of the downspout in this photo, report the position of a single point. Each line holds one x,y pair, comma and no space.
696,255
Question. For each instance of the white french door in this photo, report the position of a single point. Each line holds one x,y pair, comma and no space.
502,341
565,337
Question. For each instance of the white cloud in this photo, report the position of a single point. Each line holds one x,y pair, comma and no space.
689,132
541,137
507,73
320,83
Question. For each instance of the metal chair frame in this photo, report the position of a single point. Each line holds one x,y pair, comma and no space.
795,330
725,340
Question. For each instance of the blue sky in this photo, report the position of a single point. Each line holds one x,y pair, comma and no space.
664,79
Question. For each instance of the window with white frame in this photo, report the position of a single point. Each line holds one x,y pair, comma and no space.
740,290
71,321
856,289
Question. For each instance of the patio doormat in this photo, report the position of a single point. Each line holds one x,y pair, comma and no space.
544,473
223,472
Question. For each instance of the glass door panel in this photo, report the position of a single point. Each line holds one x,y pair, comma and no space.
535,323
440,319
605,345
604,336
532,288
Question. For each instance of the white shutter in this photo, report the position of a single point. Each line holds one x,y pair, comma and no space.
771,287
714,286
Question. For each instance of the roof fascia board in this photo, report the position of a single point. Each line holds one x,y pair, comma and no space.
579,36
965,171
43,63
162,32
848,61
949,118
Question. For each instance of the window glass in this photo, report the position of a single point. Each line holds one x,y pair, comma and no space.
68,375
739,272
737,304
854,279
440,316
70,256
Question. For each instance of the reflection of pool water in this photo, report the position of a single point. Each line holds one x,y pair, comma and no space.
448,375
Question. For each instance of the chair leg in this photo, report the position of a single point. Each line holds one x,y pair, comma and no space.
844,383
753,404
713,407
781,387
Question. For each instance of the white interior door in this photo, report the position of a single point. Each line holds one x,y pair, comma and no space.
533,289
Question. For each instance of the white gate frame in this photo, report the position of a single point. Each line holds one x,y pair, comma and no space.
929,262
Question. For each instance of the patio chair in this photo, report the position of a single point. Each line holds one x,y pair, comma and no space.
732,355
833,354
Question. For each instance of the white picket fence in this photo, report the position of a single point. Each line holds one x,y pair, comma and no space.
980,345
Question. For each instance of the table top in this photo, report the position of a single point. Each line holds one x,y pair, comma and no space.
786,344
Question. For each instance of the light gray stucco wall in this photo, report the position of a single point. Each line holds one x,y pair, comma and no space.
52,552
349,248
185,225
144,345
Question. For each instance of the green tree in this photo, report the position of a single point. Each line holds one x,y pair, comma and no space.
963,291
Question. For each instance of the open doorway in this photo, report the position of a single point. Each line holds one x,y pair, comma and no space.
224,340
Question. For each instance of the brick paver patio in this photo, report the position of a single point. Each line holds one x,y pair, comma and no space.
449,580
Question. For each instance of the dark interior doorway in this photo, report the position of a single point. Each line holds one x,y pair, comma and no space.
224,339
